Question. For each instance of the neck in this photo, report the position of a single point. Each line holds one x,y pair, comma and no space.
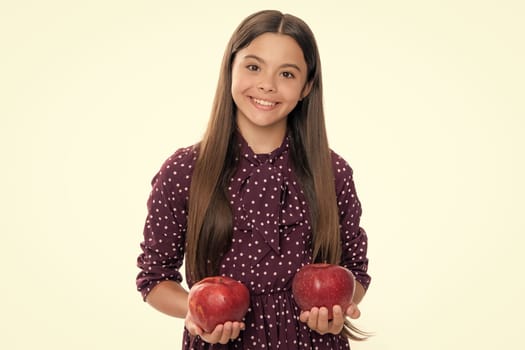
264,140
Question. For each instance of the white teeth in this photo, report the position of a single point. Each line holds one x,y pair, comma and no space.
264,103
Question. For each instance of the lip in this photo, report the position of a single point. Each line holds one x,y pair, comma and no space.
263,104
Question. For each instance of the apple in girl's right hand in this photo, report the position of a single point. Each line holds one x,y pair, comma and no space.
216,300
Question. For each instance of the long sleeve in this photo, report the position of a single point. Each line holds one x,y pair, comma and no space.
353,236
165,227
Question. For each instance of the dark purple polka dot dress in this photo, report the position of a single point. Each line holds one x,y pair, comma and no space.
271,241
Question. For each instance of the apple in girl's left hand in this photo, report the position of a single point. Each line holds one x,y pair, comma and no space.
317,285
216,300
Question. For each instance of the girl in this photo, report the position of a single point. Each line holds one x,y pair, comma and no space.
260,196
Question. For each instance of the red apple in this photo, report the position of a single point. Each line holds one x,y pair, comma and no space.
317,285
216,300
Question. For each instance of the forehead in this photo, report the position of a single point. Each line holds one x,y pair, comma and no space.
275,48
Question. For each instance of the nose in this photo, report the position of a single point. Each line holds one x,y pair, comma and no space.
266,84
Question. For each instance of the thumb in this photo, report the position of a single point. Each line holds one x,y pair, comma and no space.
192,328
353,311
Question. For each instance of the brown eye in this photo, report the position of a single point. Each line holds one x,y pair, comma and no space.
252,67
288,75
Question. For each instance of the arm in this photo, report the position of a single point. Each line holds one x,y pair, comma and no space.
354,243
359,293
163,248
170,298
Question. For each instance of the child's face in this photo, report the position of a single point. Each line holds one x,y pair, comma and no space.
268,79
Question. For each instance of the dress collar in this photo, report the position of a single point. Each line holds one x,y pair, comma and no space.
247,152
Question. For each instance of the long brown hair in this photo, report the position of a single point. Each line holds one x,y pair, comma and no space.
209,229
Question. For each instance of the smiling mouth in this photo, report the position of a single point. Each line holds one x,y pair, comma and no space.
263,103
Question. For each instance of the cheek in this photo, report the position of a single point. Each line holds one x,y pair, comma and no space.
293,92
239,84
236,91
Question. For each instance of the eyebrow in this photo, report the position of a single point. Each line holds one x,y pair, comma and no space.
284,65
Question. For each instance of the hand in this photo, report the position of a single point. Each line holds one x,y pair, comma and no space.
222,333
317,318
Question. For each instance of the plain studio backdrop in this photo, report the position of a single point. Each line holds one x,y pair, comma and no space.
425,100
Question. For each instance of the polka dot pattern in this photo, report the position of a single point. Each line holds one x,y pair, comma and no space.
271,241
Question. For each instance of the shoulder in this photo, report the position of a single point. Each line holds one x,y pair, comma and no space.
183,158
340,165
178,166
343,172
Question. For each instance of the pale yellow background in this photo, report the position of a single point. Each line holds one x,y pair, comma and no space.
423,98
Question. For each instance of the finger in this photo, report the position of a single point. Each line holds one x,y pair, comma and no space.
214,336
192,328
322,320
236,330
338,321
226,333
312,318
304,316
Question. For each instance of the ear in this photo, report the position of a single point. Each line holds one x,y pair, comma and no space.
306,89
